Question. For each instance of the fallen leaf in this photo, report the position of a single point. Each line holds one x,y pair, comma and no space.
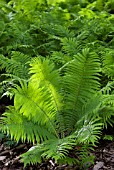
98,166
2,158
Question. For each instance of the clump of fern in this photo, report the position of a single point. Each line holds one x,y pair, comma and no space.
57,112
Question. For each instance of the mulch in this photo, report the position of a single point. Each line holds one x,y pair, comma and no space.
10,158
104,156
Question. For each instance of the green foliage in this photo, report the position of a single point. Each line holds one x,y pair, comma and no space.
23,128
57,62
16,67
17,64
40,112
1,136
108,137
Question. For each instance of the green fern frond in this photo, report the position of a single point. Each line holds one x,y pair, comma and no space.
63,31
59,58
41,151
83,35
21,128
90,129
20,57
41,94
58,104
93,104
81,82
108,63
56,110
44,71
8,84
108,88
70,45
106,110
48,78
73,45
33,155
16,65
60,149
57,149
40,102
106,113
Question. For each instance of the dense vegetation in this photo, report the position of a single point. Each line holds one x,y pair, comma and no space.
57,65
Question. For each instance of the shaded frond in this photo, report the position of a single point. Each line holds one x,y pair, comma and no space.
63,31
16,65
57,149
73,45
8,84
93,104
70,45
106,111
108,88
59,58
108,63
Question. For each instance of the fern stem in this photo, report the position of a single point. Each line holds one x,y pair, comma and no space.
65,65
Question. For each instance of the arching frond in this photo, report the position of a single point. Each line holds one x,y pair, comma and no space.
39,99
21,128
44,71
60,149
81,82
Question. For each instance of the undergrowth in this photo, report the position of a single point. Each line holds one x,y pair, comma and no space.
57,63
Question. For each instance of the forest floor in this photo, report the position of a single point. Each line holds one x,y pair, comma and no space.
10,157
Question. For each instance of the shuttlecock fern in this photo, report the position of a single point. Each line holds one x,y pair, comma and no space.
56,111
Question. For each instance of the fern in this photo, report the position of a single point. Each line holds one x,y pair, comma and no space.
59,149
34,95
59,105
63,109
81,82
16,65
70,45
23,128
108,63
51,116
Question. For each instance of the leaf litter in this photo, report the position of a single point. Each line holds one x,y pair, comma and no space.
10,158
